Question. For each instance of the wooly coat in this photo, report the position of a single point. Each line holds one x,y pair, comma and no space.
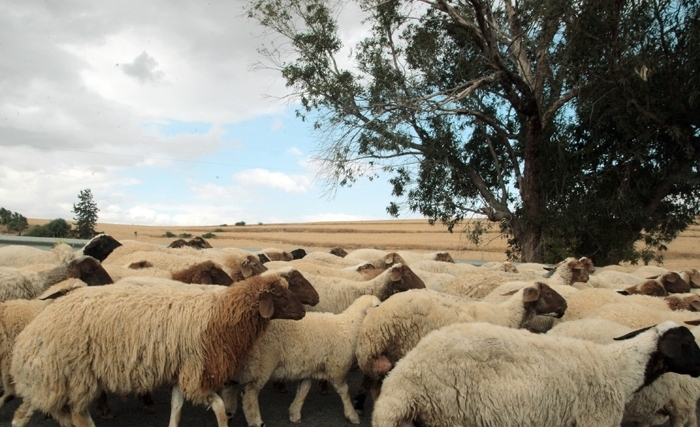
319,346
17,283
486,375
128,338
99,247
336,294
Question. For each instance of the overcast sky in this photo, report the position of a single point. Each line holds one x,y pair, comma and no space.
153,106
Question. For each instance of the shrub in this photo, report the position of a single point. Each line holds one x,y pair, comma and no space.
208,235
185,235
224,225
168,234
218,230
58,227
240,223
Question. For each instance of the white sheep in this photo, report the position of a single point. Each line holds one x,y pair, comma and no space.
320,346
445,267
274,254
434,281
670,393
336,294
357,272
485,282
506,266
16,283
99,247
481,375
639,316
127,338
368,254
203,272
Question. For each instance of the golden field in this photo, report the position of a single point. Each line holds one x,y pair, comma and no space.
415,235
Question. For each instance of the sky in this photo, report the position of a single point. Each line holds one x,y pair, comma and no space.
155,107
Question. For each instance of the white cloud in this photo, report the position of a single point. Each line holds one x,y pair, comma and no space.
278,180
294,151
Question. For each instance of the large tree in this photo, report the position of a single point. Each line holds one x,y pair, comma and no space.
512,110
85,215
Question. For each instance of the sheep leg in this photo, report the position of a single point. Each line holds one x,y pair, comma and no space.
80,419
251,408
217,405
7,387
148,403
103,406
22,415
361,396
229,393
63,418
176,402
295,408
341,386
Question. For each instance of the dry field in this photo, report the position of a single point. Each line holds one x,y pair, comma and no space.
415,235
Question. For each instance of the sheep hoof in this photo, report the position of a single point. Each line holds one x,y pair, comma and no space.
229,415
354,418
295,420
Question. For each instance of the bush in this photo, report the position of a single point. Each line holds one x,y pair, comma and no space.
58,227
208,235
185,235
240,223
168,234
218,230
224,225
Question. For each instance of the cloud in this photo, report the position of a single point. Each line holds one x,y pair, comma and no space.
294,151
143,69
278,180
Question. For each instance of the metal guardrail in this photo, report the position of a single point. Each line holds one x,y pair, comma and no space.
45,243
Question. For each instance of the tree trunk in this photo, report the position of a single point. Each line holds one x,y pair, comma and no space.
529,236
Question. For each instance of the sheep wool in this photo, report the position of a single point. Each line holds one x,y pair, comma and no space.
128,338
319,346
483,375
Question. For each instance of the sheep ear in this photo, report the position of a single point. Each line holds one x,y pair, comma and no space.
632,334
509,293
246,269
623,292
266,306
395,274
531,294
695,322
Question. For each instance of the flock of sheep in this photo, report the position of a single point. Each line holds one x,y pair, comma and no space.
439,344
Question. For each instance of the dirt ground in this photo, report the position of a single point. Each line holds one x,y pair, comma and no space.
418,235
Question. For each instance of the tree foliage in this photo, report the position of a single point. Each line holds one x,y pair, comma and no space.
59,228
573,125
85,215
13,221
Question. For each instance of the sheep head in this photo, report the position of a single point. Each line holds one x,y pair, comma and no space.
298,253
544,300
338,251
652,288
673,283
692,276
689,302
392,258
509,267
444,257
101,246
402,278
89,270
587,264
300,286
279,302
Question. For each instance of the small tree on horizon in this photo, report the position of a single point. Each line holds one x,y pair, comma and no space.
85,215
18,223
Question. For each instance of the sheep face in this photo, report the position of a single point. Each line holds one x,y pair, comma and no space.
338,251
509,267
280,303
587,264
689,303
403,279
179,243
673,283
89,270
298,253
301,287
680,351
263,258
251,266
692,276
199,243
650,287
101,246
444,257
579,273
546,301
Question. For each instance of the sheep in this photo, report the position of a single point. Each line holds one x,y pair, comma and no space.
99,247
205,272
194,339
481,375
357,272
445,267
402,320
298,253
434,281
638,316
670,392
319,346
337,294
583,302
338,251
384,262
16,283
367,254
506,266
15,315
196,242
236,267
275,254
483,283
397,325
